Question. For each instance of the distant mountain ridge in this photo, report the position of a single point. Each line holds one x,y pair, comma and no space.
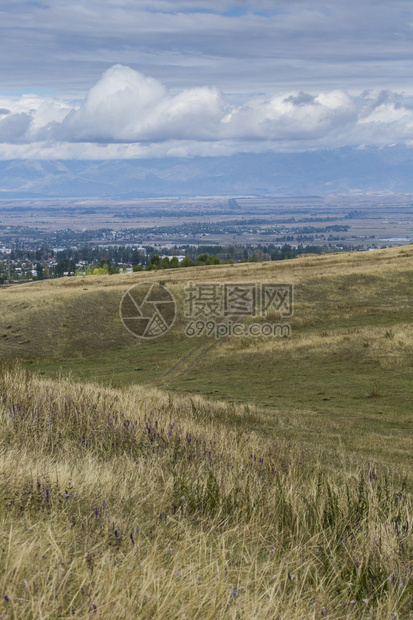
337,171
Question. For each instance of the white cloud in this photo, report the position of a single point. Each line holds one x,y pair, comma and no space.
126,106
294,117
14,127
126,115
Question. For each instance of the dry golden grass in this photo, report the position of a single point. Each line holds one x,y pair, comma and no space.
134,503
79,316
141,503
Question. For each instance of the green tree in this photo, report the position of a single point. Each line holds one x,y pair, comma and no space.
136,258
39,269
187,262
64,265
106,265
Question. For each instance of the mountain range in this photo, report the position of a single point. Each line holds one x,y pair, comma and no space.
336,171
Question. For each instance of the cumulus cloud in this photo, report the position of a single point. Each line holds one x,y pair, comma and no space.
127,114
14,127
296,117
126,106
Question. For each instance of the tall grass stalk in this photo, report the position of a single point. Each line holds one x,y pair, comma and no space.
137,504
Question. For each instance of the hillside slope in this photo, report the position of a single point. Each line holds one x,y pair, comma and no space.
344,375
202,478
134,503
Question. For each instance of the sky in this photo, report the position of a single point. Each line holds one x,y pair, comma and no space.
105,79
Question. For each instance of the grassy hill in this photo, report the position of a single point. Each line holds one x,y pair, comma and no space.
239,478
344,377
